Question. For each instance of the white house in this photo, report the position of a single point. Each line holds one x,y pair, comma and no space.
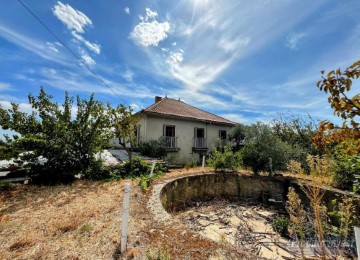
187,131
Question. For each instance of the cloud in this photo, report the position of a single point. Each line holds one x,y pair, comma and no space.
52,47
293,40
175,58
149,32
96,48
35,46
72,18
23,107
127,10
128,75
87,59
5,86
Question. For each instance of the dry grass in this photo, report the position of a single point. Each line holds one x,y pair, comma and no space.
83,221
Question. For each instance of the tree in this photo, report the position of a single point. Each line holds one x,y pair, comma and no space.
261,145
125,126
237,135
67,145
338,84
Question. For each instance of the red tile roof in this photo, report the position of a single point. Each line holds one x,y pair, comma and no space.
176,108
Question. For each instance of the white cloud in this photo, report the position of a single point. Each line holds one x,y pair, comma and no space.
149,32
135,107
128,75
175,58
150,14
87,59
96,48
72,18
173,44
23,107
293,40
127,10
231,45
4,86
37,47
52,47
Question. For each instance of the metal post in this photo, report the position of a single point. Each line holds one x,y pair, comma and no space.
152,168
125,216
357,239
203,163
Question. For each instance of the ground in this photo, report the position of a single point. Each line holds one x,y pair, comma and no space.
83,221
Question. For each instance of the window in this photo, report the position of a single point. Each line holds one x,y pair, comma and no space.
222,134
199,132
169,130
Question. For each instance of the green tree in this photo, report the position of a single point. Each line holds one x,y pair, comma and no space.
337,84
67,145
237,135
124,125
261,145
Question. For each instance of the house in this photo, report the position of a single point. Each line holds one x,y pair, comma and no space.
186,131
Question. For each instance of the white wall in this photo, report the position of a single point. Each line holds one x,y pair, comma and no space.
152,128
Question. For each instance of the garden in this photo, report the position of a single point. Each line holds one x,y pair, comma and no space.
71,208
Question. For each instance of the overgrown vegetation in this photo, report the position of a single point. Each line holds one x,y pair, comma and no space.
225,161
153,148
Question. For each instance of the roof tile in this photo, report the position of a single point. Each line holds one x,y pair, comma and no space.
177,108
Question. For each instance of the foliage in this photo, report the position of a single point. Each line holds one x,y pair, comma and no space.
228,160
6,186
153,148
280,224
338,84
344,167
261,145
297,131
297,218
294,167
237,135
67,145
125,127
344,213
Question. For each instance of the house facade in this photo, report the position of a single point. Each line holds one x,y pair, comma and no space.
186,131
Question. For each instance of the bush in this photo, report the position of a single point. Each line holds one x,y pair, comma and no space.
280,224
6,186
228,160
153,149
261,145
344,167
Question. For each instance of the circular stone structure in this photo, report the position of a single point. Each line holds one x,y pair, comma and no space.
174,194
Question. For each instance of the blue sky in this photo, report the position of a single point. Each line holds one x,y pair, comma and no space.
243,60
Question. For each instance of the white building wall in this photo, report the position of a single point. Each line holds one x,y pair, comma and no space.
152,129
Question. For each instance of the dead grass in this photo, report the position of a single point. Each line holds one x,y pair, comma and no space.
83,221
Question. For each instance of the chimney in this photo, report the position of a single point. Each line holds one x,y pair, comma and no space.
157,99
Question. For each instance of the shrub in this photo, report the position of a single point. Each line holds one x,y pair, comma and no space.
228,160
261,145
280,224
6,186
344,167
294,167
153,149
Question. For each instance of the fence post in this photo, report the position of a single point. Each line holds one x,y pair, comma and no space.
203,163
125,217
357,239
152,168
270,167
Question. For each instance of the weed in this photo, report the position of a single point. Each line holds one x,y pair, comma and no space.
161,254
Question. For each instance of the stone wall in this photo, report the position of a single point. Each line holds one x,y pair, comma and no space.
176,194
